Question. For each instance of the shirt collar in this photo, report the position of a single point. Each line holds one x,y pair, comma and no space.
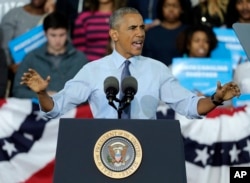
119,59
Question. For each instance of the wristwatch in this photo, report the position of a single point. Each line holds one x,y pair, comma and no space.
216,102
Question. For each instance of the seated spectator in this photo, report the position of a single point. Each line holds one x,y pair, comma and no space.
57,58
16,22
238,11
91,30
210,12
4,74
160,40
197,41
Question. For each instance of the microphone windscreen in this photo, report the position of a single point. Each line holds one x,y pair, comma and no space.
129,83
111,82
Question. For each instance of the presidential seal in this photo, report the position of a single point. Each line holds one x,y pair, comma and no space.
117,154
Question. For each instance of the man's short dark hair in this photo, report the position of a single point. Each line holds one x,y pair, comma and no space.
55,20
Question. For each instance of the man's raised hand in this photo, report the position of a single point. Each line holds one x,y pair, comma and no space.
34,81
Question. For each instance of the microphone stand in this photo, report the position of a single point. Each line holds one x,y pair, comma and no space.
119,113
122,106
119,110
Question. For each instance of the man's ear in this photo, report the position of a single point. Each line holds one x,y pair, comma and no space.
113,34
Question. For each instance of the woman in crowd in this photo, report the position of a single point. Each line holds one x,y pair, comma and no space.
238,11
210,12
160,40
91,30
197,41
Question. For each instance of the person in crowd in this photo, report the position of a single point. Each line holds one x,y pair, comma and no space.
90,34
49,6
155,81
71,9
148,10
16,22
238,11
4,74
210,12
197,41
160,40
57,58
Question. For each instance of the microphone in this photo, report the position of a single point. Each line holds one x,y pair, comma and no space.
129,88
111,88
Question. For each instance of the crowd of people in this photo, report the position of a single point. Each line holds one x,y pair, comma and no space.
174,28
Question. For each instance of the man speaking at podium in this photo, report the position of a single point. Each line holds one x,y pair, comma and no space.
146,81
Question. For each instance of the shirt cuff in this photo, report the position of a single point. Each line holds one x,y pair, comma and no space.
51,114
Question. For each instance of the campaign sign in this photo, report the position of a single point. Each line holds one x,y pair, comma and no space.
26,42
228,46
242,100
202,74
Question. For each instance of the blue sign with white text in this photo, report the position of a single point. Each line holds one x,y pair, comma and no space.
228,46
26,42
201,74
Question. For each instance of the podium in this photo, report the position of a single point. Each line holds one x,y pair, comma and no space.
119,151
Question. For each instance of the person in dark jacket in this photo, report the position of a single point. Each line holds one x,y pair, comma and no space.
160,40
57,58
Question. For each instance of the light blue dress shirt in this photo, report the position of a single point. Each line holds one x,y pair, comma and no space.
155,83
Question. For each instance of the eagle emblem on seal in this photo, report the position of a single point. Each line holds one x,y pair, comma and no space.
118,154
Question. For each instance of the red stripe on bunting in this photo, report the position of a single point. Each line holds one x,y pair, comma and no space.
45,175
230,111
2,101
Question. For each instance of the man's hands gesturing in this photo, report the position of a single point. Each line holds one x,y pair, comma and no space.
226,92
34,81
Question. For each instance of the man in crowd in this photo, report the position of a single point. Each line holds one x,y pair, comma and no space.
57,58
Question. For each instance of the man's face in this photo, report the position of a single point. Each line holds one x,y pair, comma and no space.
38,3
56,39
129,35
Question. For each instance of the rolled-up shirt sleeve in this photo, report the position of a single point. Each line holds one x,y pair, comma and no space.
54,112
179,98
75,92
